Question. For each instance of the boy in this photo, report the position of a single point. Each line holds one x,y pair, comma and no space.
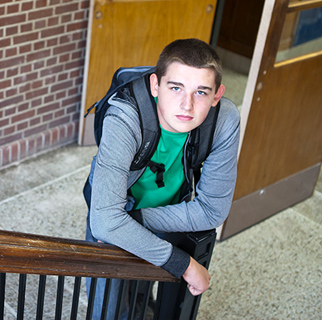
128,209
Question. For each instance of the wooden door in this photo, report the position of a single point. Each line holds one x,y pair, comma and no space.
281,150
125,33
239,26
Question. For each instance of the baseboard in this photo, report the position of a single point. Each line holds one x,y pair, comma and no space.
234,61
258,206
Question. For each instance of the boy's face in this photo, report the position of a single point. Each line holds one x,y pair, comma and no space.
185,96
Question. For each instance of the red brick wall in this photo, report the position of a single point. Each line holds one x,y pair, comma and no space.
41,72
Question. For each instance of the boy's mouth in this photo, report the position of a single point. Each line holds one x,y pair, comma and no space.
183,117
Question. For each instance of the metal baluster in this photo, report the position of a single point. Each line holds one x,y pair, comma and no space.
147,292
77,284
21,296
59,298
41,297
106,298
2,294
134,294
91,299
120,299
158,302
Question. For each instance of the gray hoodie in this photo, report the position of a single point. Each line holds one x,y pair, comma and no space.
111,177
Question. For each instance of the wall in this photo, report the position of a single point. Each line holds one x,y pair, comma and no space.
41,73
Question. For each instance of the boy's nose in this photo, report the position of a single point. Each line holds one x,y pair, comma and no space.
187,103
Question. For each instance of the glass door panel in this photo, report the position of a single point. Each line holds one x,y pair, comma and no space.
301,35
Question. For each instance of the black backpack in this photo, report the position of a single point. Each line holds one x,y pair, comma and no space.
137,80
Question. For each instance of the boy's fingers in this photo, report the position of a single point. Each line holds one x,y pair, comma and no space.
193,290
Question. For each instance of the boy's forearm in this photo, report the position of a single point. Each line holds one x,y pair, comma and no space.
178,261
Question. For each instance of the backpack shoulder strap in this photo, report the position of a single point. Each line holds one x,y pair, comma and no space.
140,90
201,139
121,78
201,142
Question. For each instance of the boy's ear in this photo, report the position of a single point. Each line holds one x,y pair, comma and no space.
220,92
154,85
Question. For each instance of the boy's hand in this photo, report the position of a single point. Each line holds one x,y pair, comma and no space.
197,277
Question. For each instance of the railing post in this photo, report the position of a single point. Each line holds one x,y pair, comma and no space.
176,302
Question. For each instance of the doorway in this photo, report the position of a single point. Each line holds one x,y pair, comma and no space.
235,42
281,143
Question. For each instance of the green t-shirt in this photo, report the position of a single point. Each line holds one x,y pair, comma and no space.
169,152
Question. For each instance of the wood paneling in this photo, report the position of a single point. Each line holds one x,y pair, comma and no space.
284,128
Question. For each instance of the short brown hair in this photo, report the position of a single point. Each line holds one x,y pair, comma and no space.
191,52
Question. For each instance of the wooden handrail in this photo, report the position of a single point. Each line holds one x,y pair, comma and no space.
34,254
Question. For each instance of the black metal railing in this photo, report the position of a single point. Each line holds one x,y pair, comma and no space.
56,259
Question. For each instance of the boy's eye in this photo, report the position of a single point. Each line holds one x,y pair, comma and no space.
175,88
201,93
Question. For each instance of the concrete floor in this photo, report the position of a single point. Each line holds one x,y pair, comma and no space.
270,271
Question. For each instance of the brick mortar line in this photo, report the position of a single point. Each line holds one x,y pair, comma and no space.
31,42
37,124
42,69
9,4
47,86
43,58
39,88
61,140
39,30
36,116
43,96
